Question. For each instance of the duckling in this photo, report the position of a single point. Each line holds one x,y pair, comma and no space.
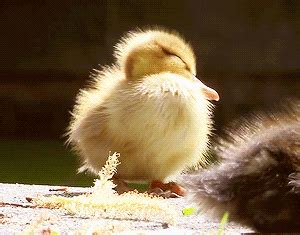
257,179
148,106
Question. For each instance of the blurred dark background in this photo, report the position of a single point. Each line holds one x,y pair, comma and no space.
248,50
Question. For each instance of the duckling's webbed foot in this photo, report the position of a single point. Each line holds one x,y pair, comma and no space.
169,190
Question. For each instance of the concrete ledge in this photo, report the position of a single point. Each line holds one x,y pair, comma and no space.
17,215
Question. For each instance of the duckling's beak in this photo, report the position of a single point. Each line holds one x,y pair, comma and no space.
208,92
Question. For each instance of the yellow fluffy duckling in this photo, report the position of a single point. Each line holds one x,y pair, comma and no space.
148,106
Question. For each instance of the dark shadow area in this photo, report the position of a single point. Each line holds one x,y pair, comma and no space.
247,50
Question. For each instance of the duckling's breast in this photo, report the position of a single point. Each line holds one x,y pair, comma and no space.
165,120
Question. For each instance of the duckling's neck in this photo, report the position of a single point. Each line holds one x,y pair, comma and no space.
134,72
139,67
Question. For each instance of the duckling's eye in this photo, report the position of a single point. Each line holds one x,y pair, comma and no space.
172,54
168,52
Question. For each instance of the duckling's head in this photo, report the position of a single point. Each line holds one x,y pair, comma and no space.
143,53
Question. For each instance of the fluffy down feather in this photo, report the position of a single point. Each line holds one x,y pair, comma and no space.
148,106
257,178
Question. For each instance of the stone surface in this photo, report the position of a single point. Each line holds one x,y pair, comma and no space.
19,218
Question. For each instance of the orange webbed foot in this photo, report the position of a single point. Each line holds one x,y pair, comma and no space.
168,190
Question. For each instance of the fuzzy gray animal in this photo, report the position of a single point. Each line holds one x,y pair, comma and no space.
257,176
